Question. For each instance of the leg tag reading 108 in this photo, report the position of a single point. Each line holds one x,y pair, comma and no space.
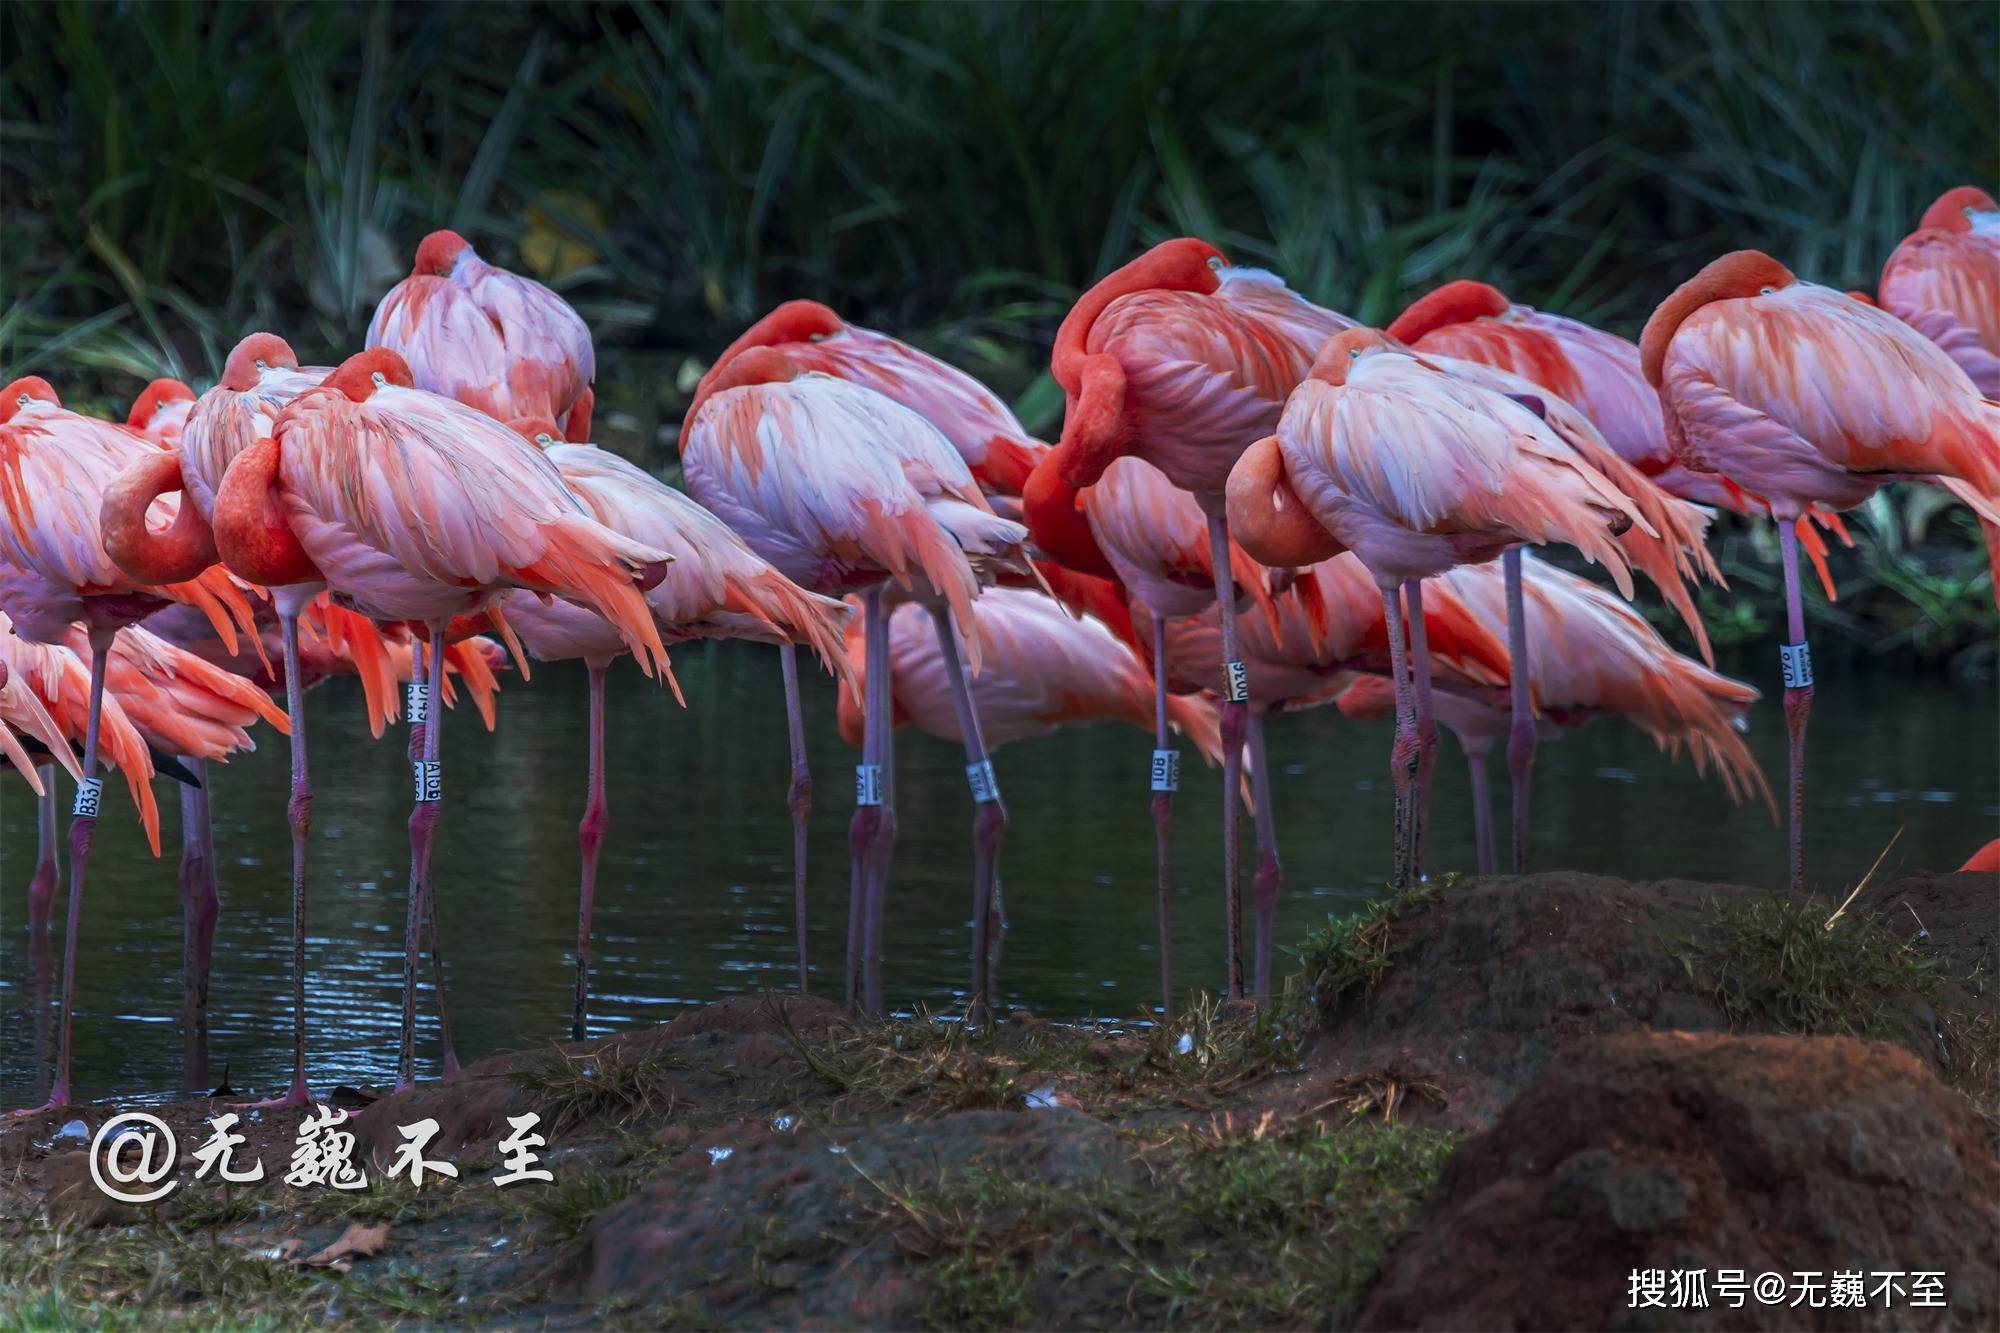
89,794
1797,659
985,786
868,784
1166,770
430,779
420,701
1236,680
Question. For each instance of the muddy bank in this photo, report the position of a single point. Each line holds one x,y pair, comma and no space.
1480,1105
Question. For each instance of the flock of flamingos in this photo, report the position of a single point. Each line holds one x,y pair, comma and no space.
432,507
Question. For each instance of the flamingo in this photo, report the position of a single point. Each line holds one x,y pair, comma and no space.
1183,360
1329,631
845,490
1041,668
493,340
1984,861
1415,470
1602,660
1944,281
984,430
1800,394
410,506
56,468
161,410
717,587
27,690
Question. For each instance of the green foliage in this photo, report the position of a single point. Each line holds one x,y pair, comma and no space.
1350,955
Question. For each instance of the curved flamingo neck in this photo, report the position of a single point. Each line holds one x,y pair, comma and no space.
1159,268
1736,275
176,555
1458,302
753,365
1049,504
251,534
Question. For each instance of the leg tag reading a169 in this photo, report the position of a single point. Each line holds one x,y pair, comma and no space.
1236,680
1797,659
868,784
985,786
1166,770
89,794
430,779
420,701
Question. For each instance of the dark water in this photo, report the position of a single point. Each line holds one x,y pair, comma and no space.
694,896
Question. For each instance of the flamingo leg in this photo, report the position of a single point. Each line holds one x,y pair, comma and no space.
1165,780
1270,876
881,681
1521,734
861,828
989,820
1482,816
200,905
1427,737
590,838
1403,755
1235,726
799,796
42,888
423,834
1798,697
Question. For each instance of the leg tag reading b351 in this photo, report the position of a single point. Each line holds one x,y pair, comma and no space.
985,786
1166,770
1797,659
430,779
420,701
868,784
89,795
1236,682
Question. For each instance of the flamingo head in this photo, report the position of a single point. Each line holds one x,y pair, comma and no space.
792,322
438,254
27,389
1458,302
1953,209
365,372
1858,295
1184,264
156,396
252,357
538,431
1735,276
1338,354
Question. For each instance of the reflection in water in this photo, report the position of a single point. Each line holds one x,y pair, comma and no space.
694,889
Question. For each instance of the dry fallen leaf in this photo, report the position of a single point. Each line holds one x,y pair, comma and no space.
359,1241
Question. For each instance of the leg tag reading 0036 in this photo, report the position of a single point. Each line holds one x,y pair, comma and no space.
985,786
89,795
430,779
1166,770
1797,659
1236,680
868,784
420,701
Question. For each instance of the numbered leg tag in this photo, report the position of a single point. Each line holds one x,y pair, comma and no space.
430,779
1236,682
868,784
419,708
985,787
1797,659
89,795
1166,770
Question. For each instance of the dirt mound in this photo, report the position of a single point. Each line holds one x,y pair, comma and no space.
1953,919
1681,1152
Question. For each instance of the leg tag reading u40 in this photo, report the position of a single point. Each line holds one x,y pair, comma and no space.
985,786
1797,659
430,779
868,784
89,795
420,701
1166,770
1236,682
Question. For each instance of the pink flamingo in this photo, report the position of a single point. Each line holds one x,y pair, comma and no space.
22,713
410,506
493,340
1415,470
1944,281
716,588
845,490
56,468
1603,660
1041,668
161,410
1800,394
1184,361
